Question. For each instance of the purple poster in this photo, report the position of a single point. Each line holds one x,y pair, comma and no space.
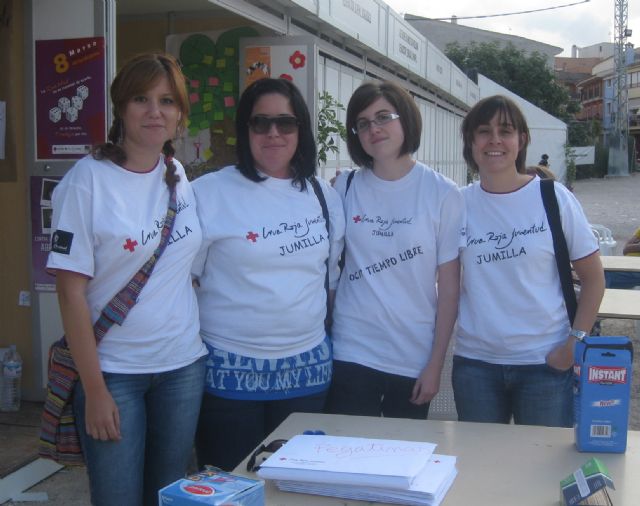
41,190
70,97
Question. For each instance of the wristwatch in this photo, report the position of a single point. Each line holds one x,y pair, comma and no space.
578,334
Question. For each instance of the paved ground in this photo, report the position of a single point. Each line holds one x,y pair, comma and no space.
612,202
609,202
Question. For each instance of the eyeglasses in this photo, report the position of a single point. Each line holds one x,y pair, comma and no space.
261,125
273,446
363,124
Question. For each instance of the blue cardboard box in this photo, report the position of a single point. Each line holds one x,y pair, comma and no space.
213,487
602,387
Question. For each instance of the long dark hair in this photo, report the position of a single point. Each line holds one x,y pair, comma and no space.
482,113
303,162
137,76
410,119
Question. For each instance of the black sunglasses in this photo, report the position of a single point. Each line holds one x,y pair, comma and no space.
260,124
271,447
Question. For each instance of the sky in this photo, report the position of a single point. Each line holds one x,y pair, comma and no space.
584,24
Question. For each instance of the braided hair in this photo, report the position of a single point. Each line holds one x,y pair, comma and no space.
137,76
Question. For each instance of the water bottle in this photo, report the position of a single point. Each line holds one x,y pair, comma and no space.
11,375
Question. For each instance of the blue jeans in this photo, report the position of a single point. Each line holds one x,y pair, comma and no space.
531,394
622,279
364,391
158,417
229,429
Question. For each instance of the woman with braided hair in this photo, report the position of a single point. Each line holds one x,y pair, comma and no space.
138,398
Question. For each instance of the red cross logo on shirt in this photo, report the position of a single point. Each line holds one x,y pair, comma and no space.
130,245
357,219
252,236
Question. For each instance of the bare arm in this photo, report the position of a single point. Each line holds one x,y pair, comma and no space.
102,418
591,275
428,383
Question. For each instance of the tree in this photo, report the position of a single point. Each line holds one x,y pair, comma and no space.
526,75
329,126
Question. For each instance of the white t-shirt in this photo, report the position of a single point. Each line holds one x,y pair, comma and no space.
262,267
108,222
511,308
398,233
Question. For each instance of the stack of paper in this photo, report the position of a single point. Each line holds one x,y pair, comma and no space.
380,470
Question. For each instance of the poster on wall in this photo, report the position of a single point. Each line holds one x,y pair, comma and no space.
277,60
257,63
70,97
41,214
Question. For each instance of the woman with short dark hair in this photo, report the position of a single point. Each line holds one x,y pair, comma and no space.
262,270
405,222
514,344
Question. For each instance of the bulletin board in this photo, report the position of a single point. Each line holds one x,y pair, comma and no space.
210,63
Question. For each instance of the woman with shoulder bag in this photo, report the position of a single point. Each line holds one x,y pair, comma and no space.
514,345
398,294
268,264
140,387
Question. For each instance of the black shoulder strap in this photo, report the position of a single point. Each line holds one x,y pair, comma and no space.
349,179
550,202
325,214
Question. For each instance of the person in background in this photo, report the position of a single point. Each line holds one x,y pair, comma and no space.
544,160
624,279
138,398
266,255
514,344
398,294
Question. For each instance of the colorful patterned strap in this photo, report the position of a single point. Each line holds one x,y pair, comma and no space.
118,308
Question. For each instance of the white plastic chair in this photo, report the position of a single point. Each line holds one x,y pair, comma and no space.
605,239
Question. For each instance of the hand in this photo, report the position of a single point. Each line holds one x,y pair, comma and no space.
426,386
102,416
561,357
333,179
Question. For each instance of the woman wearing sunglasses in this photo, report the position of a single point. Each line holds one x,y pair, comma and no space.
404,229
262,277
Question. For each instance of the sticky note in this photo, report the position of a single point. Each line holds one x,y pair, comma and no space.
218,131
214,81
218,116
207,60
221,63
231,141
193,131
227,86
207,97
207,107
194,83
194,97
204,124
229,51
229,101
207,153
